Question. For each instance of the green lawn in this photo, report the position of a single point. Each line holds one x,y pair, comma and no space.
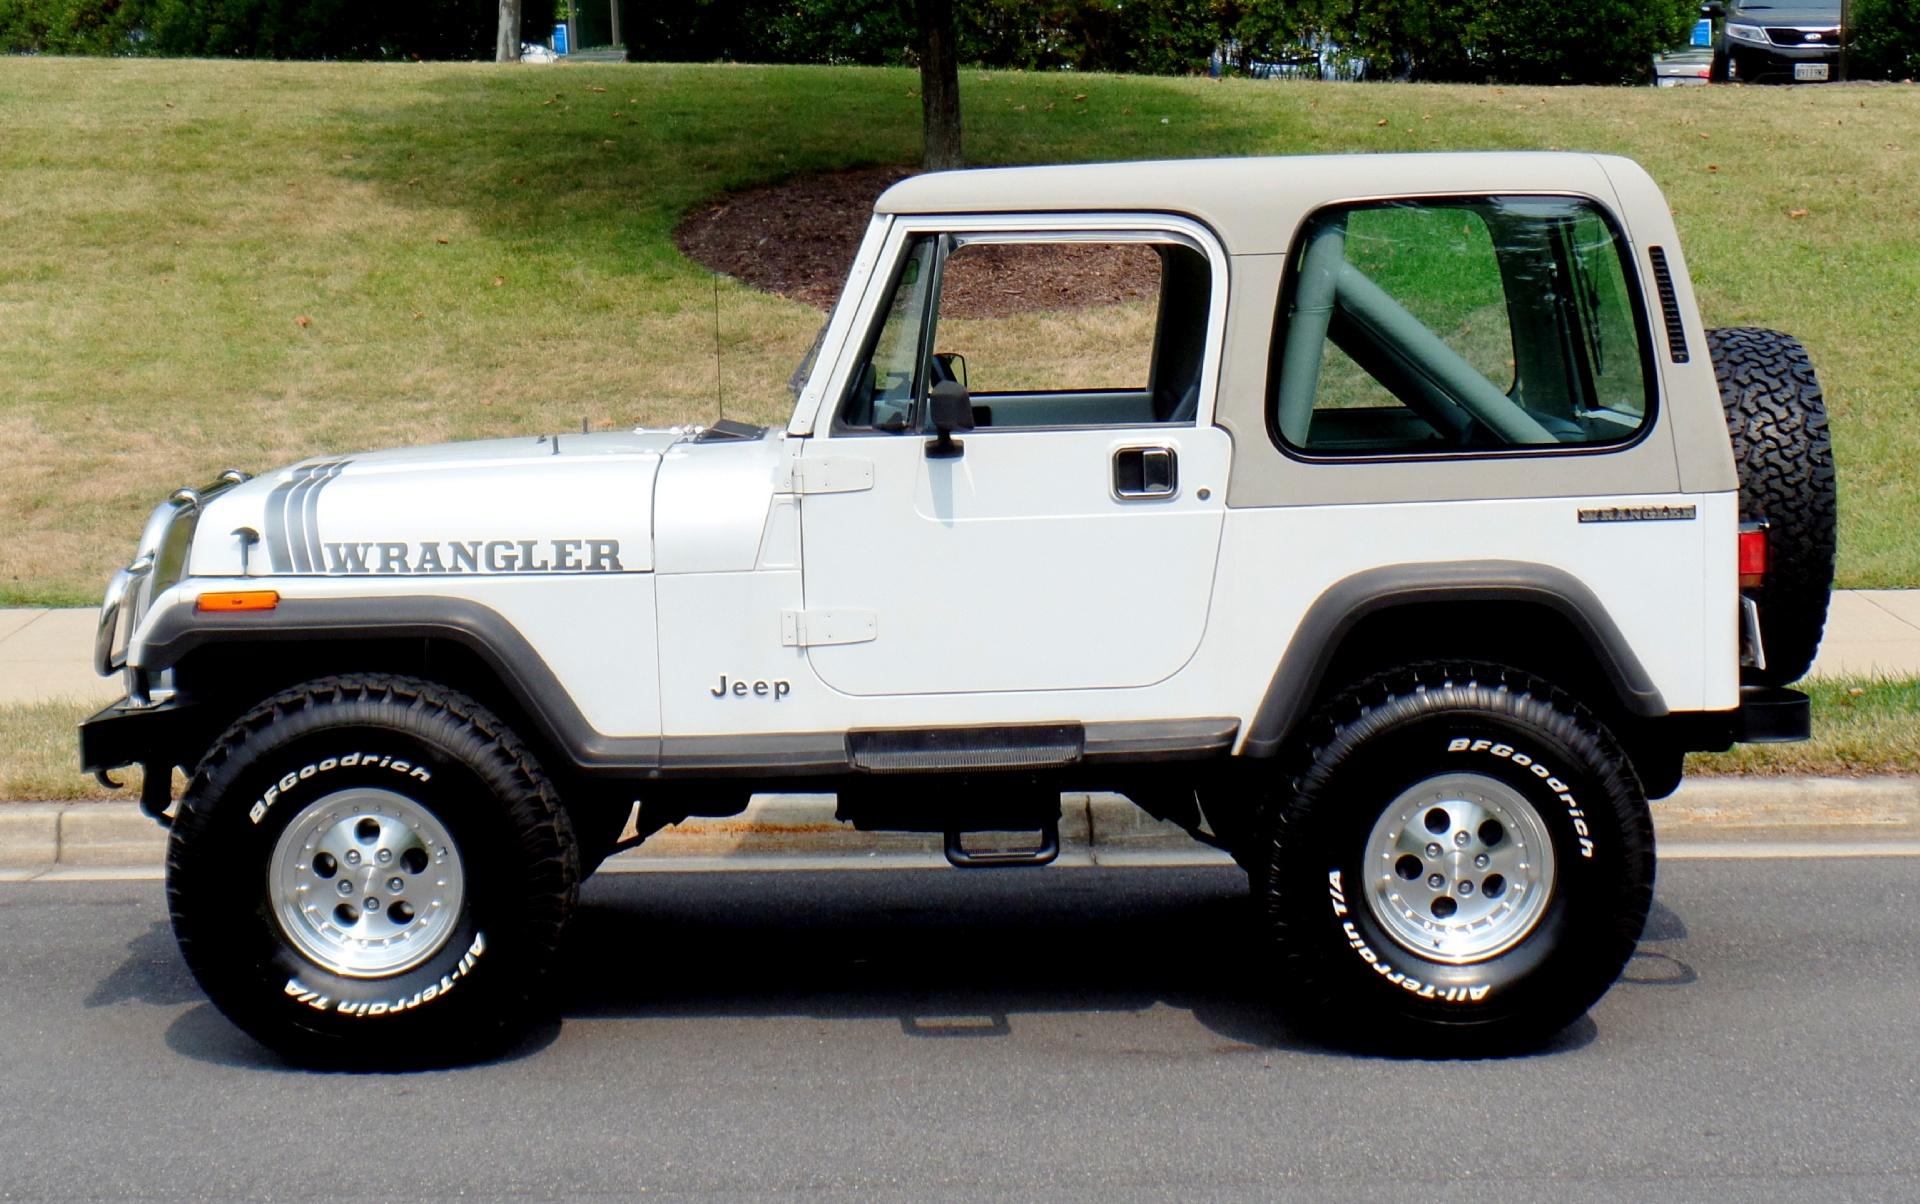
1860,727
210,263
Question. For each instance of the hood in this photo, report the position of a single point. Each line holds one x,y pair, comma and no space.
552,503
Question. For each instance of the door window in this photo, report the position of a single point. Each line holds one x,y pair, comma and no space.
1042,332
1459,326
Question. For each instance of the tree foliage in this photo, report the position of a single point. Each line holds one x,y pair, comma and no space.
1886,40
274,29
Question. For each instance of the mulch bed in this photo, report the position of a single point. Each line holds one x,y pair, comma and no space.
798,239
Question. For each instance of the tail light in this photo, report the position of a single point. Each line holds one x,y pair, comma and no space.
1753,555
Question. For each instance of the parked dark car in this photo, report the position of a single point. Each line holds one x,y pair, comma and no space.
1793,41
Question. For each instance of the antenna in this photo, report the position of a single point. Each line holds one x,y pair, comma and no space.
719,394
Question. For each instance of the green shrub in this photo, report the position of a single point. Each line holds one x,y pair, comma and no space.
270,29
1886,40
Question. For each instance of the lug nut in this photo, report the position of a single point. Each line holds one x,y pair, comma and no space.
396,885
383,856
372,903
1433,849
346,888
1462,839
1481,861
353,856
1436,881
1466,888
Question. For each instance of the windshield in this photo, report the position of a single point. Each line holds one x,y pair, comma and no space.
804,369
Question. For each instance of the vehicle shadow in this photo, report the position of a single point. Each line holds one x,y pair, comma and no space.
946,956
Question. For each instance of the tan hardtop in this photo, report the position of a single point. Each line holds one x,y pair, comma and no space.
1252,203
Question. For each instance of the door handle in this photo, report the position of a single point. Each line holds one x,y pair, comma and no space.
1145,473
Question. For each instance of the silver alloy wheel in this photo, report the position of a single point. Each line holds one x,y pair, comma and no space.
366,883
1459,868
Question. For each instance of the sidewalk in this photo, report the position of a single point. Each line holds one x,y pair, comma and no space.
1708,817
48,654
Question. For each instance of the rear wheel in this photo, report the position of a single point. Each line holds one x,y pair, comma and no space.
1777,416
371,871
1464,865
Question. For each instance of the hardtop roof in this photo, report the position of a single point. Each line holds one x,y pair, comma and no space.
1252,203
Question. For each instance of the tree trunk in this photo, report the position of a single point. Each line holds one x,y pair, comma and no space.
939,85
613,23
506,46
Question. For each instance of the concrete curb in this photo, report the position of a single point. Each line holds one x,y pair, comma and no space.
1101,828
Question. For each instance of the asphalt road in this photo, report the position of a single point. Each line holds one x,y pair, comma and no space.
932,1034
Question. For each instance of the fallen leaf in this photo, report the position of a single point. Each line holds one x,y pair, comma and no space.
596,89
1380,123
1713,167
1796,213
498,281
1081,96
1164,121
303,321
1854,691
443,240
414,183
1703,136
608,143
418,314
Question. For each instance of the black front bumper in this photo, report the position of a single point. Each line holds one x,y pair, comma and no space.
1763,64
166,733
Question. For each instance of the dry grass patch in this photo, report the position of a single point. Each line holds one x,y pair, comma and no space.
164,225
1861,727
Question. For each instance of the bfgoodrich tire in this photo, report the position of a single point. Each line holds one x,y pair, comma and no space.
371,871
1464,866
1777,416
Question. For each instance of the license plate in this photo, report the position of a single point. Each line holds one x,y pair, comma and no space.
1809,71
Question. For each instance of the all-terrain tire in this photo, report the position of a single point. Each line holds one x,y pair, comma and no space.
1506,792
1778,419
452,856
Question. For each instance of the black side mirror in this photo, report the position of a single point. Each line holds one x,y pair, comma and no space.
950,365
950,410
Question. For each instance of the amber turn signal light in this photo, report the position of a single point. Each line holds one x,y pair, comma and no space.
239,599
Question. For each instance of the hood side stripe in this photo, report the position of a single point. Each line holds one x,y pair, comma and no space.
277,549
296,521
310,515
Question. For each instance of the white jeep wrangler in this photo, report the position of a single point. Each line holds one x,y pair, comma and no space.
1382,527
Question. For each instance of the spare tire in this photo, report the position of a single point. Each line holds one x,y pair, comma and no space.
1778,420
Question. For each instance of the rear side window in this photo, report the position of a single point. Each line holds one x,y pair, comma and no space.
1459,327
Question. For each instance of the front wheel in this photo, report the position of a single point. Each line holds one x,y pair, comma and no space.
1464,865
371,871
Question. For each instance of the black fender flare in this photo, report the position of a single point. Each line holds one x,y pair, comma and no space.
1317,639
519,668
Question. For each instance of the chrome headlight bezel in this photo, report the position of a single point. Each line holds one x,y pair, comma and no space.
159,562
